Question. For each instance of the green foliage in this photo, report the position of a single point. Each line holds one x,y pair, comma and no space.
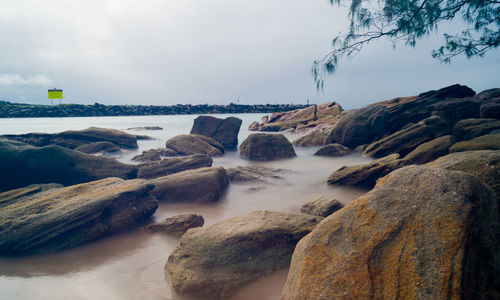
408,20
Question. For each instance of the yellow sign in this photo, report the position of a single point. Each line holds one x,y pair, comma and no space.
55,94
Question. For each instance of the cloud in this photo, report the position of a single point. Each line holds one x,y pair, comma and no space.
16,79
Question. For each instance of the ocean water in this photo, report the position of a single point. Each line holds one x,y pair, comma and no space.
130,265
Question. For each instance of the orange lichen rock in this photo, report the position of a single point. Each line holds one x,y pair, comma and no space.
419,234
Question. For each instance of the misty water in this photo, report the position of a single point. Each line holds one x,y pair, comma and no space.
130,265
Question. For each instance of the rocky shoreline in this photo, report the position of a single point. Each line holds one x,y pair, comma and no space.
20,110
427,229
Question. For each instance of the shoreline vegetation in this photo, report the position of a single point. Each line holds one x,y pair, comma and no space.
22,110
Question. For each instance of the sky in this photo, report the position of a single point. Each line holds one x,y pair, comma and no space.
165,52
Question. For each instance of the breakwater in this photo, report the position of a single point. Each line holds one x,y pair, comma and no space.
19,110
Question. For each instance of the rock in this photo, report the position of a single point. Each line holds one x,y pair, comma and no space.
192,186
66,217
328,109
154,154
12,195
333,150
367,174
173,165
144,137
490,108
456,109
106,148
424,106
409,138
487,94
315,138
254,126
177,225
359,126
321,207
216,261
74,138
484,164
188,144
420,234
431,150
471,128
323,125
262,147
224,131
485,142
254,173
24,165
289,119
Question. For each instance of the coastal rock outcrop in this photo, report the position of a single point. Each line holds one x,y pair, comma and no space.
75,138
490,108
321,207
225,131
359,126
430,150
484,142
216,261
263,146
106,148
333,150
407,139
188,144
66,217
22,165
420,234
202,185
471,128
315,138
176,225
167,166
367,174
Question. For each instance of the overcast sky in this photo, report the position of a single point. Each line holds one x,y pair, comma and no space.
165,52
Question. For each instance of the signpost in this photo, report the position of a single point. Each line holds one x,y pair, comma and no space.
55,94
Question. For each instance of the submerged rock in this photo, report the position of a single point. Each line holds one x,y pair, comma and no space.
24,165
254,173
216,261
66,217
154,154
321,207
188,144
420,234
176,225
225,131
172,165
202,185
263,147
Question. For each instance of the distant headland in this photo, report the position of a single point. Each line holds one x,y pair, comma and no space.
21,110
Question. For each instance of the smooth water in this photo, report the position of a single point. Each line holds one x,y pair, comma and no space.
130,265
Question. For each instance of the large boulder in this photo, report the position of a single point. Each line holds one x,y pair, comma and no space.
366,175
359,126
485,142
490,108
333,150
188,144
75,138
290,119
471,128
172,165
202,185
315,138
321,207
420,234
22,165
431,150
224,131
176,225
484,164
262,147
66,217
215,261
407,139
